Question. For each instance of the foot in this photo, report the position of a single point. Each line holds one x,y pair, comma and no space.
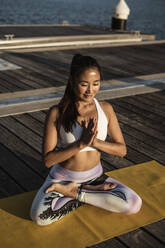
103,186
69,189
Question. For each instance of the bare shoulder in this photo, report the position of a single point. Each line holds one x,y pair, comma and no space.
107,107
53,113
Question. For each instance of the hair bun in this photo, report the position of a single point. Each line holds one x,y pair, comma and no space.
75,59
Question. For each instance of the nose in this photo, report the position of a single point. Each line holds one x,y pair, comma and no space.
89,89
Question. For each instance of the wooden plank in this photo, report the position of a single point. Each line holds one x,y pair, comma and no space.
40,115
51,30
115,161
139,238
106,56
157,229
157,103
3,89
8,186
141,127
128,66
18,171
140,136
22,132
16,77
140,110
145,149
32,62
25,62
159,96
31,123
136,114
159,100
23,151
111,243
149,109
8,83
13,83
34,77
106,165
53,68
136,156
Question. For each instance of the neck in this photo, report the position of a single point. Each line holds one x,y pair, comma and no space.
83,104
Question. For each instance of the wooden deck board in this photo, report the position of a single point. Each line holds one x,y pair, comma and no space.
157,229
51,68
143,110
152,104
31,123
8,186
23,150
156,99
148,108
22,132
141,127
22,80
136,114
140,238
142,137
26,31
12,82
112,243
21,173
8,84
40,116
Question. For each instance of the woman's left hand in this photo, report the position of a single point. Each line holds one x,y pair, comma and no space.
89,132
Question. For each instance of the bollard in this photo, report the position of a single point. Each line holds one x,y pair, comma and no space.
65,23
120,15
9,36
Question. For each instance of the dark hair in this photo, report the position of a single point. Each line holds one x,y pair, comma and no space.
67,108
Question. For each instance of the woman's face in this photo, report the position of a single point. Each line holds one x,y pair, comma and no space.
87,85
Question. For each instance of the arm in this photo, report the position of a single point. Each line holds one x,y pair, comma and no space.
50,155
117,146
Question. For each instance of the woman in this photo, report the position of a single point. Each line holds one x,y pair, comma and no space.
75,134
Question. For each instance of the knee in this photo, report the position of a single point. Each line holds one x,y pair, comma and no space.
39,221
134,205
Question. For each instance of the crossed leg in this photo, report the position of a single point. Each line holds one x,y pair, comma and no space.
54,200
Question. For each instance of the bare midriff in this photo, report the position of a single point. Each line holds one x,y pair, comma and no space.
82,161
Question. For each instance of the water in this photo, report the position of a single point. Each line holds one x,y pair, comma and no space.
148,16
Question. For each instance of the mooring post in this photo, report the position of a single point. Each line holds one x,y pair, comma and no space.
120,15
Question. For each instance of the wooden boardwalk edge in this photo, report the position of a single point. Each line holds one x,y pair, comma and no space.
39,101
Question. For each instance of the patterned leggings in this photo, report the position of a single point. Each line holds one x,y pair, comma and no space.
50,207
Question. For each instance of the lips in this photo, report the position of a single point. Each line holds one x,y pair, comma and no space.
88,95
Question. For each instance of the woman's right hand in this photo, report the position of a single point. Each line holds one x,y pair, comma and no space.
89,132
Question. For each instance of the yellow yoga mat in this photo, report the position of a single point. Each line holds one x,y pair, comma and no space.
87,225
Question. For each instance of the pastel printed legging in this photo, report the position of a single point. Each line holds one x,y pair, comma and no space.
50,207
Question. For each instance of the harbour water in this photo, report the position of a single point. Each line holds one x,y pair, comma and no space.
148,16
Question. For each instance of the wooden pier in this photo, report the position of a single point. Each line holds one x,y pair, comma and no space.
141,117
